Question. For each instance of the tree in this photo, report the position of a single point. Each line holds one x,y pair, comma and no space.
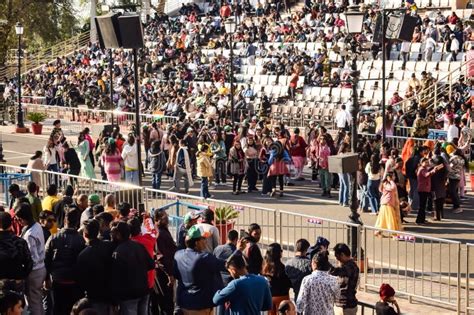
45,22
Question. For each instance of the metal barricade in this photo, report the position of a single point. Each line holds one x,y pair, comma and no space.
421,267
469,260
293,227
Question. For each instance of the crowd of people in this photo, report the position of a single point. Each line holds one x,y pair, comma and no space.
78,254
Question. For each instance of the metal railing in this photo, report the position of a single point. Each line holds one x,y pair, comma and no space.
469,260
44,56
420,267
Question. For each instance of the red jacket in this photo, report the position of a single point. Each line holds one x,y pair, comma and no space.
149,242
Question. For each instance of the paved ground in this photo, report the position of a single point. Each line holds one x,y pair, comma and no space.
419,267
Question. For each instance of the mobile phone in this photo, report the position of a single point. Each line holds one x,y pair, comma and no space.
141,208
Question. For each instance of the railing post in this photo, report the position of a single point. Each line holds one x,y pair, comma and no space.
280,234
450,85
145,197
467,278
275,218
366,259
458,281
436,96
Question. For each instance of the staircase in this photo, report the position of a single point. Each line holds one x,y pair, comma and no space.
35,60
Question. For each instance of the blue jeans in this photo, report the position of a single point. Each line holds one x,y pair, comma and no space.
156,180
413,194
374,195
131,177
363,197
205,187
344,180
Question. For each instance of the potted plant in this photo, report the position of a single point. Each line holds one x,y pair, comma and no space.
225,219
36,119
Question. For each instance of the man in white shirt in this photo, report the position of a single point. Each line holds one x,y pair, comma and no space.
430,48
319,290
453,130
343,118
404,51
455,47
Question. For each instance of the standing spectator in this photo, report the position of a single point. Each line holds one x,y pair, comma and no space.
387,297
130,160
456,165
278,160
348,274
389,213
343,118
204,170
251,156
319,290
32,233
50,156
252,252
166,249
88,214
148,241
299,266
223,252
62,250
71,163
93,265
405,52
84,150
198,275
219,157
190,219
182,168
323,165
111,161
424,174
51,199
237,167
11,303
35,166
344,180
88,138
33,199
15,257
274,270
455,47
156,164
411,166
438,187
46,220
130,265
298,153
211,233
248,293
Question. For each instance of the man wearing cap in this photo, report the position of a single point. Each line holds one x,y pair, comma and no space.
212,233
190,219
198,275
455,47
93,200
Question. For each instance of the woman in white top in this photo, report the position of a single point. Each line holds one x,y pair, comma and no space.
36,163
50,156
373,171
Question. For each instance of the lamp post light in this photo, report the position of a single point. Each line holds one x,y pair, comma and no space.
354,22
230,27
19,32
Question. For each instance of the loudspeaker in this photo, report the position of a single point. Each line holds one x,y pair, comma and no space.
108,30
401,27
343,163
397,26
131,31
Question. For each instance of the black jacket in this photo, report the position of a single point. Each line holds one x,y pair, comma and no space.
15,257
93,266
59,209
61,255
130,264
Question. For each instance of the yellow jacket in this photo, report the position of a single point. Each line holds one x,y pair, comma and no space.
204,165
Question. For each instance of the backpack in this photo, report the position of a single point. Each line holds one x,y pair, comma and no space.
15,258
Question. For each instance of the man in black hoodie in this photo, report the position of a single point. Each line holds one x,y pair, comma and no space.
61,206
62,250
129,267
93,267
15,257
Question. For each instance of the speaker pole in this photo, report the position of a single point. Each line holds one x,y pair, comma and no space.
384,59
111,73
137,116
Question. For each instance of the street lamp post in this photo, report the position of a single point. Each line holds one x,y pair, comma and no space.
354,21
230,26
19,32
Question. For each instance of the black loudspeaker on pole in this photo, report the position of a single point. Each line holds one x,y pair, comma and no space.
119,31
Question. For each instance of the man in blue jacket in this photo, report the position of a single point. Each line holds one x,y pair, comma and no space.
198,275
248,293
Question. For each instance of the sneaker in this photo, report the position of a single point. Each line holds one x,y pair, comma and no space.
272,193
235,193
457,210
